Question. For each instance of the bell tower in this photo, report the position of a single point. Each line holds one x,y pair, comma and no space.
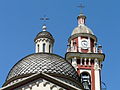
85,55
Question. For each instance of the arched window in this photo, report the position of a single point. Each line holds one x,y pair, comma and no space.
43,47
85,80
38,48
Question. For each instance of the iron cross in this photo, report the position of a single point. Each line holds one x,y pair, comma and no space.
44,18
81,7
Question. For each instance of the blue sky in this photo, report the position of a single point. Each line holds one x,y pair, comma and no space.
20,23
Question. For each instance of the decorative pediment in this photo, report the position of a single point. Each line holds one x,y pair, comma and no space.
42,81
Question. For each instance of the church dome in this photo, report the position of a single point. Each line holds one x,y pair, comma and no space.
82,29
42,63
44,34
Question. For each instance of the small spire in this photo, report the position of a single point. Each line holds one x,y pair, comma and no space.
44,28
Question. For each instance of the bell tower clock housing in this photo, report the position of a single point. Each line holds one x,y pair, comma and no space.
85,55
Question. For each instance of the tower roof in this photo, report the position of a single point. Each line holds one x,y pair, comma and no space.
44,34
82,29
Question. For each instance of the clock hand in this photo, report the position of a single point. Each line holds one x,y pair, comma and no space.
84,43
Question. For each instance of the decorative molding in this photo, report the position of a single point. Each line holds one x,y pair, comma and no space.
78,55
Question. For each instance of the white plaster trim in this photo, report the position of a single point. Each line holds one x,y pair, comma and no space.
79,44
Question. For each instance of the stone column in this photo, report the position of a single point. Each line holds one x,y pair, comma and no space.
85,61
97,75
80,61
89,62
89,49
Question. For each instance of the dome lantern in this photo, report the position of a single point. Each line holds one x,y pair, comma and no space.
81,19
44,41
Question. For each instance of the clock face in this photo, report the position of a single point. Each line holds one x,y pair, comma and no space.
84,44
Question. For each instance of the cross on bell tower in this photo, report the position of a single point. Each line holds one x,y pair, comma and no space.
81,6
81,18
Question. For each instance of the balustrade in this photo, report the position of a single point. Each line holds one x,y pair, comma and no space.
85,61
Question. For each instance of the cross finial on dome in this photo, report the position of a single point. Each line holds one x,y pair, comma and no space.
81,6
44,25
